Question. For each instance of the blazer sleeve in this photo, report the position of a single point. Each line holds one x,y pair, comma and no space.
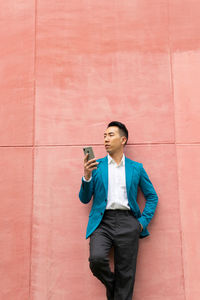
86,190
151,197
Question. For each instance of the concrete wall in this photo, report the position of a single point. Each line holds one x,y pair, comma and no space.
68,68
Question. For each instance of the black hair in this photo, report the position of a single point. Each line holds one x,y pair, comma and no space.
122,129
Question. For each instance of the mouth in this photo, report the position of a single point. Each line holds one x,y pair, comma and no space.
107,146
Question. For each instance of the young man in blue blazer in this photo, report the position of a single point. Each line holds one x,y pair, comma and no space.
115,218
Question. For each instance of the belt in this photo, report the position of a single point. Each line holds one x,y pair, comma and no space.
118,211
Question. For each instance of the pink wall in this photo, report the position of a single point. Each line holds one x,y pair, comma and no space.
68,68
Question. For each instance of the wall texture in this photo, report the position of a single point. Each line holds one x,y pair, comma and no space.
68,68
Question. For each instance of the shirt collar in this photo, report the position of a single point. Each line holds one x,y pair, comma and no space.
111,160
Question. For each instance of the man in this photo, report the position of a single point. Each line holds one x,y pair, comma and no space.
115,218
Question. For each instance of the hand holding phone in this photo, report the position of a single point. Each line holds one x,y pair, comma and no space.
90,162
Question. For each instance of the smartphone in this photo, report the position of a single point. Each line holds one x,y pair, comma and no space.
90,151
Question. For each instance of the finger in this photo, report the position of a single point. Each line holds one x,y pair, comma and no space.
90,165
92,160
86,157
91,169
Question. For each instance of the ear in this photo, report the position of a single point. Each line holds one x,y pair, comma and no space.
124,140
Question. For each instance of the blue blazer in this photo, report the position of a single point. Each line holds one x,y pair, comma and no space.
98,188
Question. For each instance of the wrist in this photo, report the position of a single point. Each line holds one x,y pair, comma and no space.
87,177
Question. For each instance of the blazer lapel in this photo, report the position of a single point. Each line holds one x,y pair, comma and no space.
129,173
104,172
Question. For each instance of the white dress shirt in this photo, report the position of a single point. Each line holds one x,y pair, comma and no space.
117,195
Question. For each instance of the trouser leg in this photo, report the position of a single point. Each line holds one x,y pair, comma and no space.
100,245
125,257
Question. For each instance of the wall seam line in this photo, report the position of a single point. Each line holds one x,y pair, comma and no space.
176,145
33,151
95,145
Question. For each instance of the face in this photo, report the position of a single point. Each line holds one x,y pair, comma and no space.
112,140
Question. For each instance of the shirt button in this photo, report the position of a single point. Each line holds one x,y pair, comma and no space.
101,214
105,200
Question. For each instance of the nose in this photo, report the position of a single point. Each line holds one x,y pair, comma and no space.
106,139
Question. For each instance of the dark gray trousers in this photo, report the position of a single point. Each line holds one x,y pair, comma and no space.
120,229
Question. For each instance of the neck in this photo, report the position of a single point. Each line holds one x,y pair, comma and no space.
117,156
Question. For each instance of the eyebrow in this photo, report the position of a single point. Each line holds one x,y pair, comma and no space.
108,133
